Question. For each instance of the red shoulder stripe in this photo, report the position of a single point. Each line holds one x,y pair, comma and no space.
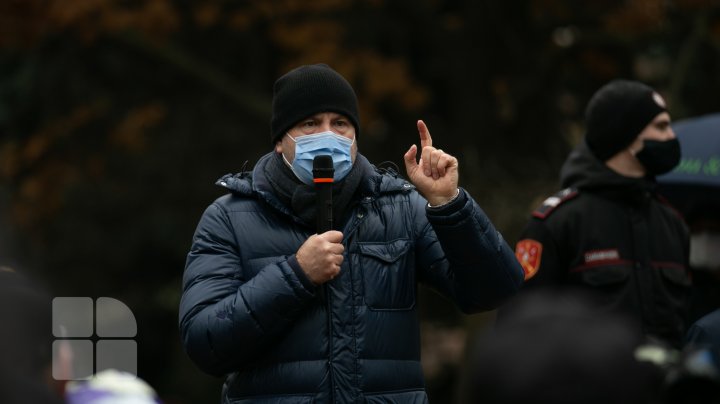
549,205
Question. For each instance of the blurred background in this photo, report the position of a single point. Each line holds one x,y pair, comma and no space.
117,116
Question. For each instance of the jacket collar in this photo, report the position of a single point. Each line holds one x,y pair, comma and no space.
582,170
378,181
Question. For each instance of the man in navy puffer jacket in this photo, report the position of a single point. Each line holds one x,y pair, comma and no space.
291,316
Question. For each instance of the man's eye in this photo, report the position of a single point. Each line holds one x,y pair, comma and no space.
308,124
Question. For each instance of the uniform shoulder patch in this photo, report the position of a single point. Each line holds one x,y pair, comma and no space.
529,252
549,205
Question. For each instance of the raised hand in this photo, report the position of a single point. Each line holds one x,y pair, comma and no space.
436,174
321,256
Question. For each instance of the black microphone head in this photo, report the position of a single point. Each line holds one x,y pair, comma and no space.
323,167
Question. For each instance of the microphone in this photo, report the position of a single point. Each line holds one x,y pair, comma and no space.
323,172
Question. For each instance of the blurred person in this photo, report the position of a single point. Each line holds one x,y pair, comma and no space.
705,331
290,315
705,264
693,376
25,342
555,348
111,386
608,231
704,222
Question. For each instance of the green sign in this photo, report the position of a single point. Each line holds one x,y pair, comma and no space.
696,166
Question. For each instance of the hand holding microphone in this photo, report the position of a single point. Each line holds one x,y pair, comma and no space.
322,254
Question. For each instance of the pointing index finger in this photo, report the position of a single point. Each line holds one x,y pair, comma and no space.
425,139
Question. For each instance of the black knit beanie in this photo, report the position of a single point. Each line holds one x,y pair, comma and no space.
616,115
308,90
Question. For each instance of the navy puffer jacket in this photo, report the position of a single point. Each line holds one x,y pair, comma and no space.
246,313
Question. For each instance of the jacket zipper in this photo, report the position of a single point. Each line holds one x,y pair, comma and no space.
328,302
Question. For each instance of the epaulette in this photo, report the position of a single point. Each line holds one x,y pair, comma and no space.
549,205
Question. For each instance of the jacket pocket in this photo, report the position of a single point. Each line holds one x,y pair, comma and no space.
674,286
609,285
406,397
388,271
289,399
674,274
603,276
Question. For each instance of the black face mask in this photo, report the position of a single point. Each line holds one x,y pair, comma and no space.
659,157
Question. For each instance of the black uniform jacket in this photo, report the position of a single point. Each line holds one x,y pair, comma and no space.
612,235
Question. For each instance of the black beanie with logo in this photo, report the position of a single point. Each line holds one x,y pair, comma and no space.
617,113
308,90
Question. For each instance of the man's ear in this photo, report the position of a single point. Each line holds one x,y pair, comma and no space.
278,147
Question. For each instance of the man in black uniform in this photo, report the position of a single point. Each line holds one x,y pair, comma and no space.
608,232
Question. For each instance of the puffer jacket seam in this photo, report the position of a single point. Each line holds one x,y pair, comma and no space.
229,224
251,313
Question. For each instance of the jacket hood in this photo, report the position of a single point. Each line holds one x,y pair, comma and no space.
376,181
582,170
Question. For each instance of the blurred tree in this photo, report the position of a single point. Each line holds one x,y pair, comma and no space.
117,116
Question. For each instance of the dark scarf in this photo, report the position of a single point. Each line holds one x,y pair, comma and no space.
301,197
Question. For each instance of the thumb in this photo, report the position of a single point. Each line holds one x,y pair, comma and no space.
410,161
332,236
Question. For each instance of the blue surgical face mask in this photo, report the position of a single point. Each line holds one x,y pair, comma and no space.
324,143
